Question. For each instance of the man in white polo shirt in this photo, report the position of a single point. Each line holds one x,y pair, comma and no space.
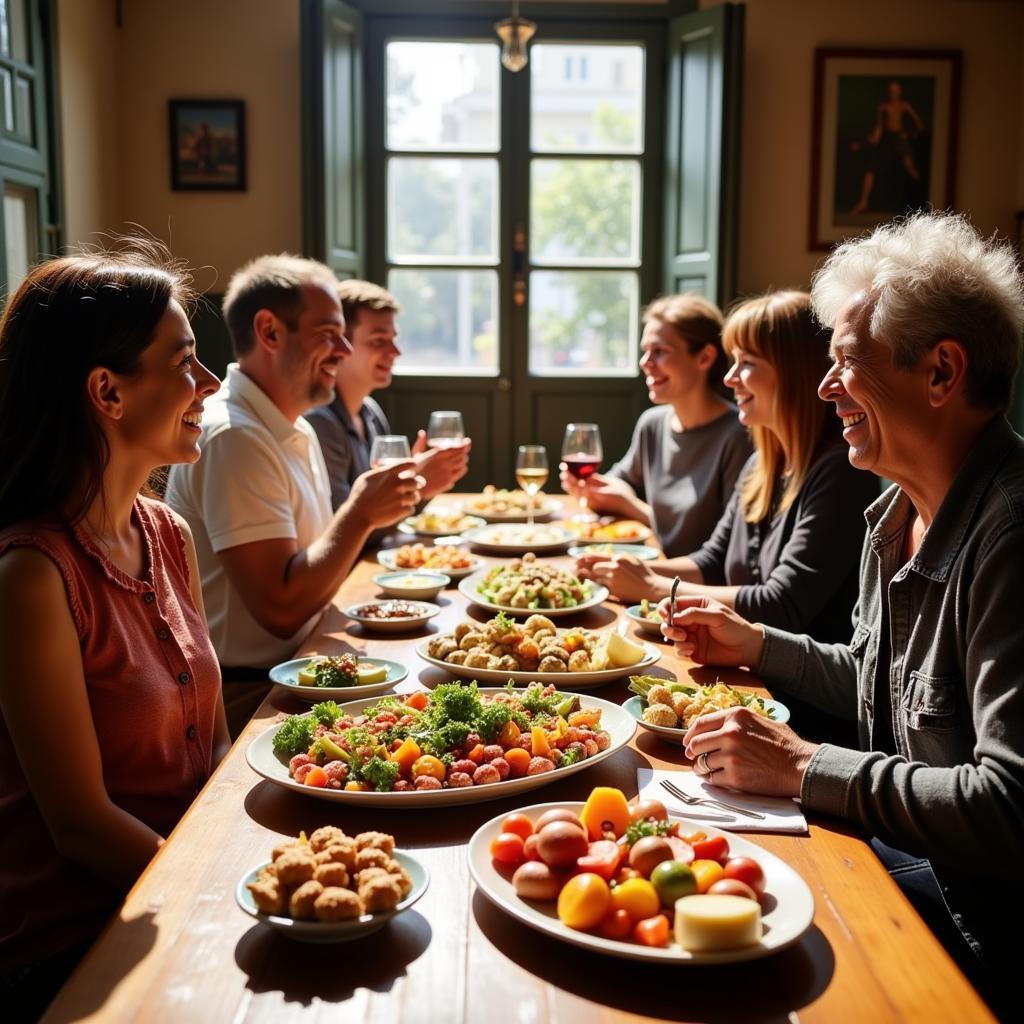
271,553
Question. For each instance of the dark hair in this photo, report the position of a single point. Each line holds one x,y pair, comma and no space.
274,283
67,317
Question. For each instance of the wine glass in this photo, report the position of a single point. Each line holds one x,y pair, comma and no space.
581,452
531,473
445,430
387,449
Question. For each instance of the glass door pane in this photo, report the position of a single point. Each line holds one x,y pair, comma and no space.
442,141
585,201
21,241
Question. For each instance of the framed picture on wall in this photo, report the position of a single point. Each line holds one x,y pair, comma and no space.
883,137
207,145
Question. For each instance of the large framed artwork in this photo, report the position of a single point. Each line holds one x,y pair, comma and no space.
207,145
883,137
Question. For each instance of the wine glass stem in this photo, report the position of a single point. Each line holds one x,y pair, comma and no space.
529,508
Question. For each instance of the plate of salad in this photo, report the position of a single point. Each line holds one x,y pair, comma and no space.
320,677
527,585
456,744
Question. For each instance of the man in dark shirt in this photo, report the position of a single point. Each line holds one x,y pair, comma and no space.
928,319
347,426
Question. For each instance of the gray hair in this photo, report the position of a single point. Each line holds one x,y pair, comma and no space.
927,277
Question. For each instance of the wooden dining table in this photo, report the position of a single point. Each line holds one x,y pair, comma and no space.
180,949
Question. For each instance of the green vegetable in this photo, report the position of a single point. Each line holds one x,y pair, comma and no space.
493,718
454,702
325,749
295,735
326,713
571,755
640,829
380,773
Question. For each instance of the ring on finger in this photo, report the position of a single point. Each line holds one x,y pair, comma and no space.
702,764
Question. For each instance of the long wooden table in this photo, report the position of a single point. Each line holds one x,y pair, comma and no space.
180,949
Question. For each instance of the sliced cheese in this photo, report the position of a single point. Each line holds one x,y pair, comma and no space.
706,923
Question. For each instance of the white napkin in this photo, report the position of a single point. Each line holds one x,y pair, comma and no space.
781,814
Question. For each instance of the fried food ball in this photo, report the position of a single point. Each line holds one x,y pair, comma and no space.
507,663
457,658
541,635
472,639
477,660
554,650
660,714
579,661
324,836
681,703
549,663
337,904
331,874
404,881
340,852
364,876
372,858
376,841
461,630
434,646
446,648
295,866
268,894
381,893
287,844
535,622
302,900
659,695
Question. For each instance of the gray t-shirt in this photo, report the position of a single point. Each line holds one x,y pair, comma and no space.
686,476
797,570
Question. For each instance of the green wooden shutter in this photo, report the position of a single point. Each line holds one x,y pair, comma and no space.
702,152
332,144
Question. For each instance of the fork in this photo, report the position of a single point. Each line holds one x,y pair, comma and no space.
708,801
672,600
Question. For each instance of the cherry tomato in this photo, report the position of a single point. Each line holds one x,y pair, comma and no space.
602,858
715,848
681,850
652,931
748,871
732,887
583,901
616,924
507,848
520,824
707,872
530,848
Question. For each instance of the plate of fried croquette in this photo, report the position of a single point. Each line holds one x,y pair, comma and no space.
332,887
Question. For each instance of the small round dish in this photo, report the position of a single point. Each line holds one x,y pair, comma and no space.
635,708
392,616
335,931
415,585
642,551
286,675
652,626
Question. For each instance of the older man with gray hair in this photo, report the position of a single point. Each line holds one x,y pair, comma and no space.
927,319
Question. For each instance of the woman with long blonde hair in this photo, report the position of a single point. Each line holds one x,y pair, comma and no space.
786,550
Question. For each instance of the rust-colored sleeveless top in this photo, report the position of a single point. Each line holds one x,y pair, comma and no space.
152,681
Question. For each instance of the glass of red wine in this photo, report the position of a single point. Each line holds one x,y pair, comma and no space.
581,453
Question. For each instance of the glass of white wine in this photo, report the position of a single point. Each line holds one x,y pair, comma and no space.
531,473
387,449
445,430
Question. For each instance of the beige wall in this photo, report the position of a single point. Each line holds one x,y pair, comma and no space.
88,48
219,49
780,40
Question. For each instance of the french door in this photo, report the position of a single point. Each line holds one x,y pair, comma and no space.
517,217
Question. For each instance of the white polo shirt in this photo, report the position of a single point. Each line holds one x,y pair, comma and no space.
260,477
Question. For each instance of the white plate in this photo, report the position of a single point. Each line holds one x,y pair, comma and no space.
642,551
265,762
517,538
387,559
542,510
336,931
464,524
791,915
563,680
635,707
583,532
467,588
647,625
406,624
286,675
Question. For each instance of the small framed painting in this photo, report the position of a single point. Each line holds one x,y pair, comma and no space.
207,145
883,137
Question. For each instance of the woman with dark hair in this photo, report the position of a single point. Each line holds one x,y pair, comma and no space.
112,718
686,452
786,550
